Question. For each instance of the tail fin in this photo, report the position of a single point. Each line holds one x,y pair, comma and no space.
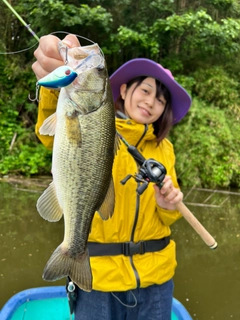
61,265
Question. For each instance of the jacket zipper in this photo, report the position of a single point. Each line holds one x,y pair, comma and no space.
136,218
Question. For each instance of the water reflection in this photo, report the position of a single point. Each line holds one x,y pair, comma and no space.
26,241
207,281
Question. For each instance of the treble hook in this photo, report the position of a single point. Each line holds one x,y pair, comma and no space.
66,54
36,95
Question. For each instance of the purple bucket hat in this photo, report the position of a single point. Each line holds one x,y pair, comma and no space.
181,100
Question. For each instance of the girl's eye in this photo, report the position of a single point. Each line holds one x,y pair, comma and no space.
161,102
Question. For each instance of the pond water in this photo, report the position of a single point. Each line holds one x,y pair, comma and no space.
207,281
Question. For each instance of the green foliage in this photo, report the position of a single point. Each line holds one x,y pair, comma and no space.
72,18
186,82
20,151
27,160
217,87
196,38
206,147
133,43
200,45
8,127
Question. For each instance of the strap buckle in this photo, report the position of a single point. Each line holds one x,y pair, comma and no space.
131,248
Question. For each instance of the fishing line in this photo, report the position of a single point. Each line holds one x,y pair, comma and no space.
20,51
55,32
65,32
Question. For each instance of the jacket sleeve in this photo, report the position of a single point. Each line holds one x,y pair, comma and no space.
169,216
47,106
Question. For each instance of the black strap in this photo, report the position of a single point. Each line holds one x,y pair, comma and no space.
126,248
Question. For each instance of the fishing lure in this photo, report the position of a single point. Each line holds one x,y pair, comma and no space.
59,78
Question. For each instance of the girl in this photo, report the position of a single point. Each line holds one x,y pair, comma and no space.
132,276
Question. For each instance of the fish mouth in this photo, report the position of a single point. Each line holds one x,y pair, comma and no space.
92,61
82,58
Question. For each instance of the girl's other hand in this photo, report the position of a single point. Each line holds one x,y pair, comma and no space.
168,196
48,56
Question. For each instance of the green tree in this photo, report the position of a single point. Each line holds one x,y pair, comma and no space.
206,148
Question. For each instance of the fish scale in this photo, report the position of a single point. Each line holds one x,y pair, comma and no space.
83,153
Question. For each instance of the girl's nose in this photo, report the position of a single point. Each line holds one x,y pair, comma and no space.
150,101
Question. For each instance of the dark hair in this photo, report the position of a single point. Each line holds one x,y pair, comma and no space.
164,123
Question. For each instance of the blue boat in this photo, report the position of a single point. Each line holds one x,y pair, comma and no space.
47,303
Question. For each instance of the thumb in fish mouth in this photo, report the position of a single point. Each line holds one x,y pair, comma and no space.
71,41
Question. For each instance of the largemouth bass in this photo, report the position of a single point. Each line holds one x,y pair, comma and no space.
83,152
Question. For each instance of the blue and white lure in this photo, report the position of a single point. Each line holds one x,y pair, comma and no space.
59,78
85,59
80,59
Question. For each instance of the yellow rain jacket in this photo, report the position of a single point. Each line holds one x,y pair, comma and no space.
136,218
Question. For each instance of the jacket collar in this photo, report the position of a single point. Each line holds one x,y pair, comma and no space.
135,133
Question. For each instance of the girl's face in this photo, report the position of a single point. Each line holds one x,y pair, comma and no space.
141,103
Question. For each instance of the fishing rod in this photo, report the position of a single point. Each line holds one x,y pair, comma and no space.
153,171
23,22
32,32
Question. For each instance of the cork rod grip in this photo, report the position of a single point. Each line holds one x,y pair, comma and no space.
196,225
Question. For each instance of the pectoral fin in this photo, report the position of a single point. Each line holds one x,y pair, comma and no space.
73,128
107,207
49,125
48,206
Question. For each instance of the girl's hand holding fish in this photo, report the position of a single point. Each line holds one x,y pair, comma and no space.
47,54
168,196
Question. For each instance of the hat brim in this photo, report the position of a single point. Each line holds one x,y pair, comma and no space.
181,100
